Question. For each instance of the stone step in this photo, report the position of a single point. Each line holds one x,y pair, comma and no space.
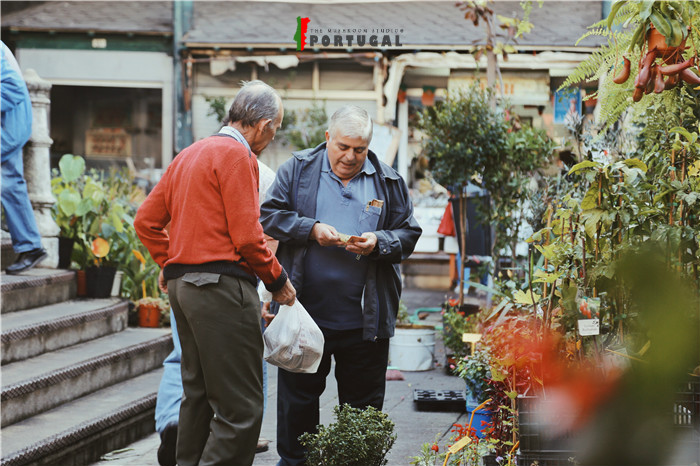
46,381
80,432
36,331
8,254
36,287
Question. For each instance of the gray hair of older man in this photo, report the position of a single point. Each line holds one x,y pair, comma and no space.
254,102
351,121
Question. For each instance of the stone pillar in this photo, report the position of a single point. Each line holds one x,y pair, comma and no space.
37,166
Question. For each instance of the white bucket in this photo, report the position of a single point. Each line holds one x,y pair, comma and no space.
412,349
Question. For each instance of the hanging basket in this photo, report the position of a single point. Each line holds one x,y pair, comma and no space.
657,41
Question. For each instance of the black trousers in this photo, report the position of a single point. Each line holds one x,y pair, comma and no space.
360,371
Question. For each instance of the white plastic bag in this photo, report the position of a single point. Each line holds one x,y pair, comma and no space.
293,341
264,295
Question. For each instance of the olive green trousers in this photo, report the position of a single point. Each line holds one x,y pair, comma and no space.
218,321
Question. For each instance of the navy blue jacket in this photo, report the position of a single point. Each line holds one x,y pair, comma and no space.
288,215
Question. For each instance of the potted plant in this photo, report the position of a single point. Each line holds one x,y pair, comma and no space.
475,370
151,311
67,185
359,437
99,277
455,323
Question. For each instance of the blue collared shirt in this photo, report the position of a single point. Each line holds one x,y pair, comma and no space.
334,280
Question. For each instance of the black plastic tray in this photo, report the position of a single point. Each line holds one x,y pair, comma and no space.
440,400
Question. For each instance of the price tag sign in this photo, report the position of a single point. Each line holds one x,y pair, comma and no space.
588,327
463,442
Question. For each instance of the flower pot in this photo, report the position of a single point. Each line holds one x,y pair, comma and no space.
117,284
428,97
81,281
99,281
656,40
149,315
412,347
401,96
65,250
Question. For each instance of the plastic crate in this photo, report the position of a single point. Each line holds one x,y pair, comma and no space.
439,400
534,429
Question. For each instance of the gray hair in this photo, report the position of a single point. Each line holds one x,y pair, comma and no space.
351,121
254,102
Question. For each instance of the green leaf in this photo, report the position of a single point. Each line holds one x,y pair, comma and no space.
522,297
548,251
590,200
85,206
636,163
68,202
613,12
71,167
685,133
591,219
94,191
546,277
583,165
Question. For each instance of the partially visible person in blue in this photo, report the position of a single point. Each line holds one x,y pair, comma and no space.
16,108
170,389
350,288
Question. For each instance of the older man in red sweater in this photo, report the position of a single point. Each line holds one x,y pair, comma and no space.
209,259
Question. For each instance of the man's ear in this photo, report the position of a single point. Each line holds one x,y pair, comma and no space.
328,139
260,125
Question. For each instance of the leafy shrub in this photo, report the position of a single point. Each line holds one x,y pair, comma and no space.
360,437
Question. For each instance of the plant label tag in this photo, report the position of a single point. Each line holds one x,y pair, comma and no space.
588,327
463,442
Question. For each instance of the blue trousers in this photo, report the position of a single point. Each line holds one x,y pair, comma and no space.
170,389
15,201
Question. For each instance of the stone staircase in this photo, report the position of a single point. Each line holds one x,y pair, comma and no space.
77,382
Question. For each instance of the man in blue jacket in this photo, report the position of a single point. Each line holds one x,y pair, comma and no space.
344,222
16,108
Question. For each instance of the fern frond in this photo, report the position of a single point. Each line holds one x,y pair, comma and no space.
594,32
588,67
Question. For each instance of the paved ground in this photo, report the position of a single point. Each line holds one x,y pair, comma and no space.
413,427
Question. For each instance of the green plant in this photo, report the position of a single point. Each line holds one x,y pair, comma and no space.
402,314
217,108
670,18
305,128
359,437
620,63
86,207
456,323
475,369
468,141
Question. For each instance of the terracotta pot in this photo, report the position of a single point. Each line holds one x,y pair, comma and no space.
81,279
149,315
428,97
401,97
656,40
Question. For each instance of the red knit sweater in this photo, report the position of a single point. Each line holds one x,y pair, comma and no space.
209,195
